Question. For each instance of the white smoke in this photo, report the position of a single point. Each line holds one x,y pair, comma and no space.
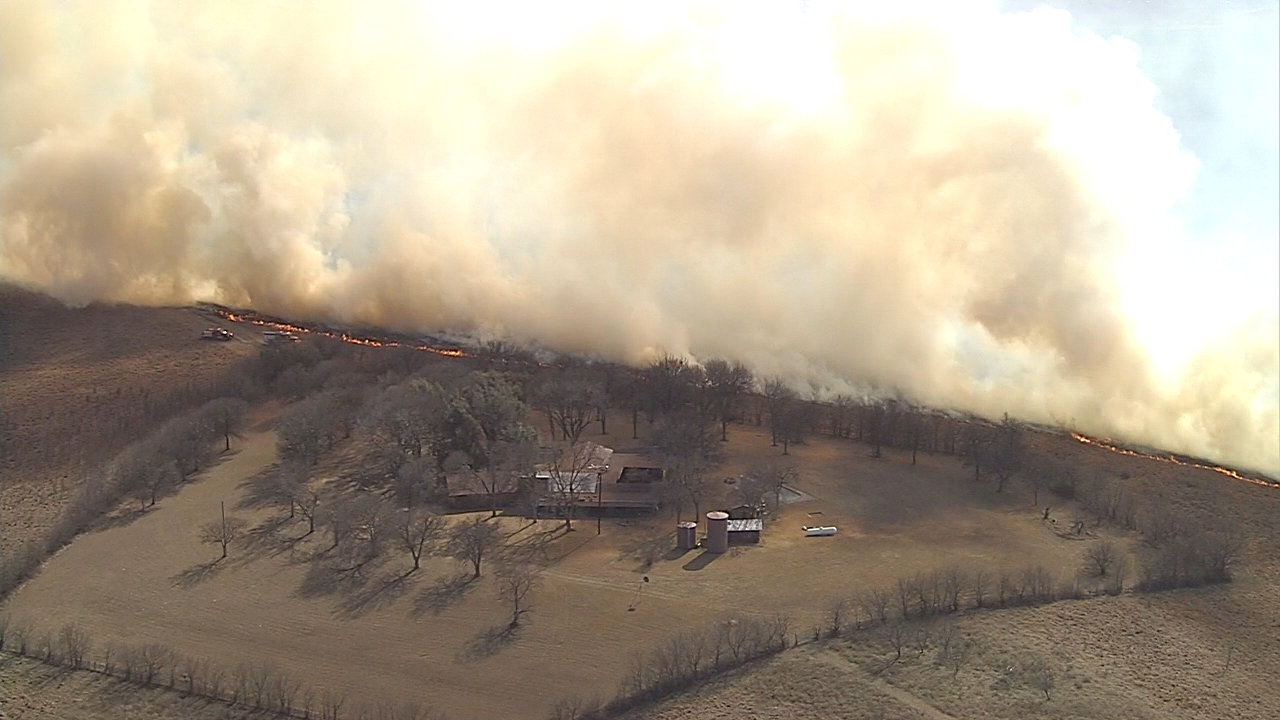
934,200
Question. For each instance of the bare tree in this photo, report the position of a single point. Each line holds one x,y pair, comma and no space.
958,654
875,603
222,532
226,416
770,478
838,414
979,583
726,383
837,612
515,583
1038,675
670,384
1101,556
570,402
75,645
572,477
977,443
473,541
778,397
417,530
1007,451
792,423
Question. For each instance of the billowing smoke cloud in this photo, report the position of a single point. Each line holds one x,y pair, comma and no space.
931,201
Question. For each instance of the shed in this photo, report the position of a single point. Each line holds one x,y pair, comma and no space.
745,530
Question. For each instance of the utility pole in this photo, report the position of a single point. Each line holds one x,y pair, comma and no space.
600,498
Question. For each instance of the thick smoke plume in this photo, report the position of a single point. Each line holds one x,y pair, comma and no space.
931,201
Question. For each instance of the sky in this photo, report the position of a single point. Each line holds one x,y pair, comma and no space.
1067,212
1216,68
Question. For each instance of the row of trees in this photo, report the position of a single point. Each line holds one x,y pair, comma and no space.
145,471
260,688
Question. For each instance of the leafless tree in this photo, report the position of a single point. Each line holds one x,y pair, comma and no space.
979,583
226,416
570,402
507,463
896,636
1119,574
954,582
977,442
769,479
300,434
838,414
922,638
418,530
837,613
876,602
515,583
573,477
778,398
792,423
669,385
1101,556
1007,452
726,383
1038,675
473,541
958,654
222,532
75,644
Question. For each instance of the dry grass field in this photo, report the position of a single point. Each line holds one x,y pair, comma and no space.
426,637
432,637
75,387
32,690
1193,653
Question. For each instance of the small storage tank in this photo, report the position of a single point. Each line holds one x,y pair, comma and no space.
686,536
717,532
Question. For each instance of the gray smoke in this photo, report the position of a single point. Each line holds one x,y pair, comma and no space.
931,201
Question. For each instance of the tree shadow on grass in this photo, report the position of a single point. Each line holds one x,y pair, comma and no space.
649,550
444,592
268,539
377,594
197,574
121,517
333,576
490,641
261,489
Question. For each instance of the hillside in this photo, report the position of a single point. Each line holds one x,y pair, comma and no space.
79,384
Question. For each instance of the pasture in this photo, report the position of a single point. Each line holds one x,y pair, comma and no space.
431,636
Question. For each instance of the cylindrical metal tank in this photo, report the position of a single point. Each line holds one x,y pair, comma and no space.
717,532
686,536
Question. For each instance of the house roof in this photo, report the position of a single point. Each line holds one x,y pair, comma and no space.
583,482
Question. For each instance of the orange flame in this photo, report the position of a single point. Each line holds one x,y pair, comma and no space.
344,337
1108,445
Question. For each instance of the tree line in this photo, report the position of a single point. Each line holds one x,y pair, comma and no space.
261,688
145,471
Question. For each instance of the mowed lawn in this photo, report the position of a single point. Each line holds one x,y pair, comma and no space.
420,639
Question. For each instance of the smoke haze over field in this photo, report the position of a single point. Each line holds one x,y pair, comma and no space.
936,201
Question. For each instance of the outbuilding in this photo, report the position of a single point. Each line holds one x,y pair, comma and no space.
745,531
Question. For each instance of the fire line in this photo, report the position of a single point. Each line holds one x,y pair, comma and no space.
1108,445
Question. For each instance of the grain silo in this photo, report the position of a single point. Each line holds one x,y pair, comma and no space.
717,532
686,536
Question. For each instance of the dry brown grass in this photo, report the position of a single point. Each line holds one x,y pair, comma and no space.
429,637
418,638
32,690
76,385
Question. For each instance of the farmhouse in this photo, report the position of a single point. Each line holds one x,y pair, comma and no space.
613,484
